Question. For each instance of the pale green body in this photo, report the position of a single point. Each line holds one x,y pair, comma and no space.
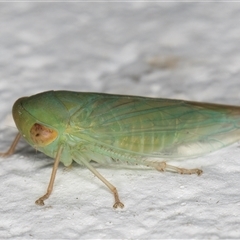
104,127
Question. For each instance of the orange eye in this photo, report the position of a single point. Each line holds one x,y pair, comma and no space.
41,135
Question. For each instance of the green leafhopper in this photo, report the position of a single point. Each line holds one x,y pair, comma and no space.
77,126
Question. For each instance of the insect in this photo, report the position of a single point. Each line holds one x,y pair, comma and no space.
77,126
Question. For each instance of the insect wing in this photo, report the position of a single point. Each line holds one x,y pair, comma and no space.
158,128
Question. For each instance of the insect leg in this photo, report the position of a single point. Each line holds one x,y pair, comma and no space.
163,166
40,201
11,150
108,184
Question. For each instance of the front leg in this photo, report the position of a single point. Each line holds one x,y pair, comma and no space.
12,148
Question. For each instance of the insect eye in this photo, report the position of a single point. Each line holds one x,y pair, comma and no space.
42,135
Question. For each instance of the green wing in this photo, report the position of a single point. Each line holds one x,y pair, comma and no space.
148,127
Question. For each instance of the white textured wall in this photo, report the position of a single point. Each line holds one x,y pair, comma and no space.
174,50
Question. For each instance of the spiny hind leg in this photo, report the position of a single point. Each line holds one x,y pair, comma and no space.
163,166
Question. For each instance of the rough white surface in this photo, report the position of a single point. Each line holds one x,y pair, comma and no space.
174,50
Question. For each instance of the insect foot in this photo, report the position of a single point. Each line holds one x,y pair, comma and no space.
4,154
189,171
118,204
39,202
11,150
162,166
117,200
